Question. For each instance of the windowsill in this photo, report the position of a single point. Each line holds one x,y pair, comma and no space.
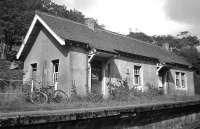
137,85
181,88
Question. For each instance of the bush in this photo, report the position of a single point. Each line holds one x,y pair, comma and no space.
118,90
134,92
94,98
91,97
12,100
152,91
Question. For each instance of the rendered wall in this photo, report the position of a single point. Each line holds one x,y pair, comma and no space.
79,68
122,68
189,83
44,50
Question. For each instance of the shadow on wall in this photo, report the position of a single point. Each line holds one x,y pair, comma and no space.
170,86
112,71
197,83
62,49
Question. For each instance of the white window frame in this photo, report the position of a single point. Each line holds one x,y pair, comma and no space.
180,80
140,75
34,69
55,74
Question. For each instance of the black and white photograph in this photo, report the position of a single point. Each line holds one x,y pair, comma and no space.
99,64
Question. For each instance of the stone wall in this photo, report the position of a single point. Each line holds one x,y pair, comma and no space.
148,116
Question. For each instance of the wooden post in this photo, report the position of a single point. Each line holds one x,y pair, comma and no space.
32,86
56,85
89,77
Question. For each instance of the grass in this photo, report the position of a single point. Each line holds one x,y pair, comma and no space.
17,102
12,100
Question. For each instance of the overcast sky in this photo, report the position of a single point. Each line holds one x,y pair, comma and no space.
153,17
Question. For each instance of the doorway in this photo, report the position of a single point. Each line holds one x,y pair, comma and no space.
96,77
164,79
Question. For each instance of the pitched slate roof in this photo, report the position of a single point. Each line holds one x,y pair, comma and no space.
106,40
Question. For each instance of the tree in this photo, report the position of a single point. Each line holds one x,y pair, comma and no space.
141,36
187,39
16,17
171,40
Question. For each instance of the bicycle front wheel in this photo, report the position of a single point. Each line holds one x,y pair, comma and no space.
38,97
60,96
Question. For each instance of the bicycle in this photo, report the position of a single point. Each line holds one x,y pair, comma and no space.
46,94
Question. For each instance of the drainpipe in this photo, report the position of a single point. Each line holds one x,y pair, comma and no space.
91,55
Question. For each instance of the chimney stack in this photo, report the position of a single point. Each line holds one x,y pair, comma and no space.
90,22
166,46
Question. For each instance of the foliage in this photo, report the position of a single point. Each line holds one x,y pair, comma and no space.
182,40
16,17
191,55
91,97
12,100
9,74
184,44
120,91
153,91
171,40
94,98
141,36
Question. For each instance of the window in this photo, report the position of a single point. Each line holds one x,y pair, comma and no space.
177,79
183,80
55,70
137,76
34,71
180,80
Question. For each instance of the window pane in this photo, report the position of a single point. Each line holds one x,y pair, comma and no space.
183,80
34,67
183,83
55,70
177,79
137,70
137,75
177,75
34,71
177,83
55,65
137,79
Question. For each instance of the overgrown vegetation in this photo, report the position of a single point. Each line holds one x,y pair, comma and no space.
120,95
183,44
15,19
121,91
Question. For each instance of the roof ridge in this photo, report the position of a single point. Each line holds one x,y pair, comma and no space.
155,46
108,31
59,17
124,36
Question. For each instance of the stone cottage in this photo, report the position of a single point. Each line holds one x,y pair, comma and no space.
67,53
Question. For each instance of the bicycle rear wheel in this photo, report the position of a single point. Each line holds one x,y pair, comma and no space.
60,96
38,97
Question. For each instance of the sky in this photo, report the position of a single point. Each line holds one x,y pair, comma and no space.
153,17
